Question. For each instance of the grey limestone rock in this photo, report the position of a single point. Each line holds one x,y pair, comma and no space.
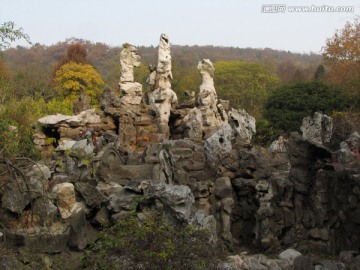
177,199
318,129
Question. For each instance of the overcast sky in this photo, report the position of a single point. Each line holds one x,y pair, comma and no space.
236,23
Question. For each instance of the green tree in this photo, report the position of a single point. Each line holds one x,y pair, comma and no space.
10,33
288,105
246,85
72,76
298,76
319,73
185,78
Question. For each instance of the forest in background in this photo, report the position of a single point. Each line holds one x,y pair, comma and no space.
36,64
279,88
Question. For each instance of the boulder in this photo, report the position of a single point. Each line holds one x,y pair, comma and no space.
219,145
102,218
84,118
193,122
65,144
39,139
82,151
93,197
289,254
123,199
45,210
53,119
277,146
81,232
39,171
254,263
207,222
16,195
317,129
65,199
177,199
243,124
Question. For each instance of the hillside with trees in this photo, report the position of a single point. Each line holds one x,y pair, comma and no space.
38,61
258,80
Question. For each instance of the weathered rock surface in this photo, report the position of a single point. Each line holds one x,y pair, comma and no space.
65,199
17,195
219,145
207,95
123,199
318,129
207,98
208,223
81,119
129,58
243,124
93,198
177,199
164,57
194,123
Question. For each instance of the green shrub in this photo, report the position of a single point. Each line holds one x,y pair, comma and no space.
265,133
151,244
288,105
23,114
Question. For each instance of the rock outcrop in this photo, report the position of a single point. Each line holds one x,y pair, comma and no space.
193,162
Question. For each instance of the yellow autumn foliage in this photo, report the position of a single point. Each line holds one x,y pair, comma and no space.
72,76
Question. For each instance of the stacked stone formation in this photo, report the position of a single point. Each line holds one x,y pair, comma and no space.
131,91
163,98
